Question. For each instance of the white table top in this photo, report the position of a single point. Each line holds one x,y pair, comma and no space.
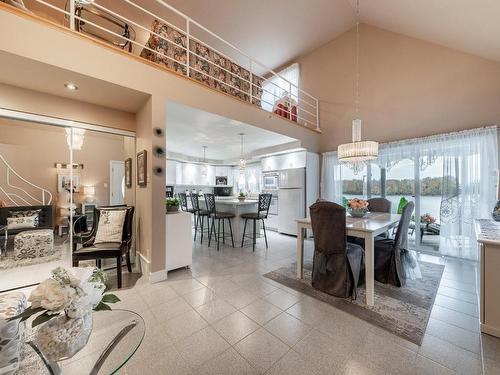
371,222
237,202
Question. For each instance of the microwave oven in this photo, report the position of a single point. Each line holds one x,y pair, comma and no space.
271,181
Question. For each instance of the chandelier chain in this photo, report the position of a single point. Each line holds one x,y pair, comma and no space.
357,60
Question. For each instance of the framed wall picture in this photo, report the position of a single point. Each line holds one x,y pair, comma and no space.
142,164
64,182
128,172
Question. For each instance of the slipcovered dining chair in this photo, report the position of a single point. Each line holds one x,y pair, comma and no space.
93,249
379,205
337,264
389,253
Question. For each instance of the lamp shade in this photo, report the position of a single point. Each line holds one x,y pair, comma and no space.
358,151
89,190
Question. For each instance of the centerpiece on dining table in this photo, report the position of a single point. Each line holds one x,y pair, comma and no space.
62,307
357,207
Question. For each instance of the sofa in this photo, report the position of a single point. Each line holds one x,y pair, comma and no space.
45,217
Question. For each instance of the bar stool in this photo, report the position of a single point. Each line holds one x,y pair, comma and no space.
261,214
184,203
210,201
200,216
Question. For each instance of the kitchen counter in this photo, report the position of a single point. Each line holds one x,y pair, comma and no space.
238,208
237,202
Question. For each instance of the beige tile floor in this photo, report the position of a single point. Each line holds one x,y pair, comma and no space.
224,317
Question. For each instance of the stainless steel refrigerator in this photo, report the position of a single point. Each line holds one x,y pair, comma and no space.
291,199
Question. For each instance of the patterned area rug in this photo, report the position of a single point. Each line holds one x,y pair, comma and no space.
402,311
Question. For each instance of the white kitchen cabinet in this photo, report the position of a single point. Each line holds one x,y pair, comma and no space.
179,241
171,172
284,161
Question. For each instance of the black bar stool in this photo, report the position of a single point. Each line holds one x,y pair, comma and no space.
261,214
210,201
200,216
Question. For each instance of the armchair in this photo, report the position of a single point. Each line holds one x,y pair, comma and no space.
113,250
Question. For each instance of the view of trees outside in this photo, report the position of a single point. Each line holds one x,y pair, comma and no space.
428,186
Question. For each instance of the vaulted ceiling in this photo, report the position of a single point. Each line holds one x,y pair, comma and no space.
277,31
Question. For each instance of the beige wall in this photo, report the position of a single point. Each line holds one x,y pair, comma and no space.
24,100
71,52
408,87
33,149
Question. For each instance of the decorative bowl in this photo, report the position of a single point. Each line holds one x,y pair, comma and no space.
241,199
357,212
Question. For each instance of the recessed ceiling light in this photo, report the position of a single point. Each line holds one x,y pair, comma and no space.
71,86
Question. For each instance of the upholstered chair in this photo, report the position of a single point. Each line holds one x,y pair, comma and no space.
337,264
389,265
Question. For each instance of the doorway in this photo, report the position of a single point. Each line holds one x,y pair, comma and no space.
116,182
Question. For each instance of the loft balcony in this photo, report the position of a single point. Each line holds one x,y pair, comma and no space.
158,34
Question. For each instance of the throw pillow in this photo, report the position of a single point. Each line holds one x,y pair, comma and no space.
22,222
25,213
110,228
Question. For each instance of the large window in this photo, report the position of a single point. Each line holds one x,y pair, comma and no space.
451,179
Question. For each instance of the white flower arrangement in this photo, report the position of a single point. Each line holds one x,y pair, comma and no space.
73,292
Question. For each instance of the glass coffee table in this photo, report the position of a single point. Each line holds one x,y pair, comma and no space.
116,335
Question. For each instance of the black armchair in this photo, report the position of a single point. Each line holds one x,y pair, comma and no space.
113,250
337,264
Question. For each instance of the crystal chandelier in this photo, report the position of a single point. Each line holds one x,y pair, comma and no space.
75,137
358,152
242,163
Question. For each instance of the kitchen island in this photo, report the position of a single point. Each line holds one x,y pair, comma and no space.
237,208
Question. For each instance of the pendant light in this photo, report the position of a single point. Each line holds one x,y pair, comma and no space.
358,152
242,163
204,168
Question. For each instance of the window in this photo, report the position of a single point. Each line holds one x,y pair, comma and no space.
276,87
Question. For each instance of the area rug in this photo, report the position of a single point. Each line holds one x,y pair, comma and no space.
402,311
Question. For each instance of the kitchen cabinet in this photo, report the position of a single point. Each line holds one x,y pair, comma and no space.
171,172
284,161
224,171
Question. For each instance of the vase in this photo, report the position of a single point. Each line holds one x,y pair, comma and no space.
496,212
357,212
172,208
62,337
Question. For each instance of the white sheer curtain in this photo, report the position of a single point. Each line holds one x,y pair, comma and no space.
276,87
468,180
331,178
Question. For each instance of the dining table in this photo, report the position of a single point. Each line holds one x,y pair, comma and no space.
366,227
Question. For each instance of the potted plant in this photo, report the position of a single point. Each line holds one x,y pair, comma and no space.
242,196
172,204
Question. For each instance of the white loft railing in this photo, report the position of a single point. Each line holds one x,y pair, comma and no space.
16,199
306,105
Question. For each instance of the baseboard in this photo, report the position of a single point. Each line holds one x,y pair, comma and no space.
156,277
153,277
494,331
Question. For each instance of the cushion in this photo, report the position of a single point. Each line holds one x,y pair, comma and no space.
25,213
110,227
22,222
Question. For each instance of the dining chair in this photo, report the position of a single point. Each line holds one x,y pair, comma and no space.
219,216
113,250
388,252
379,205
199,215
337,264
262,212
